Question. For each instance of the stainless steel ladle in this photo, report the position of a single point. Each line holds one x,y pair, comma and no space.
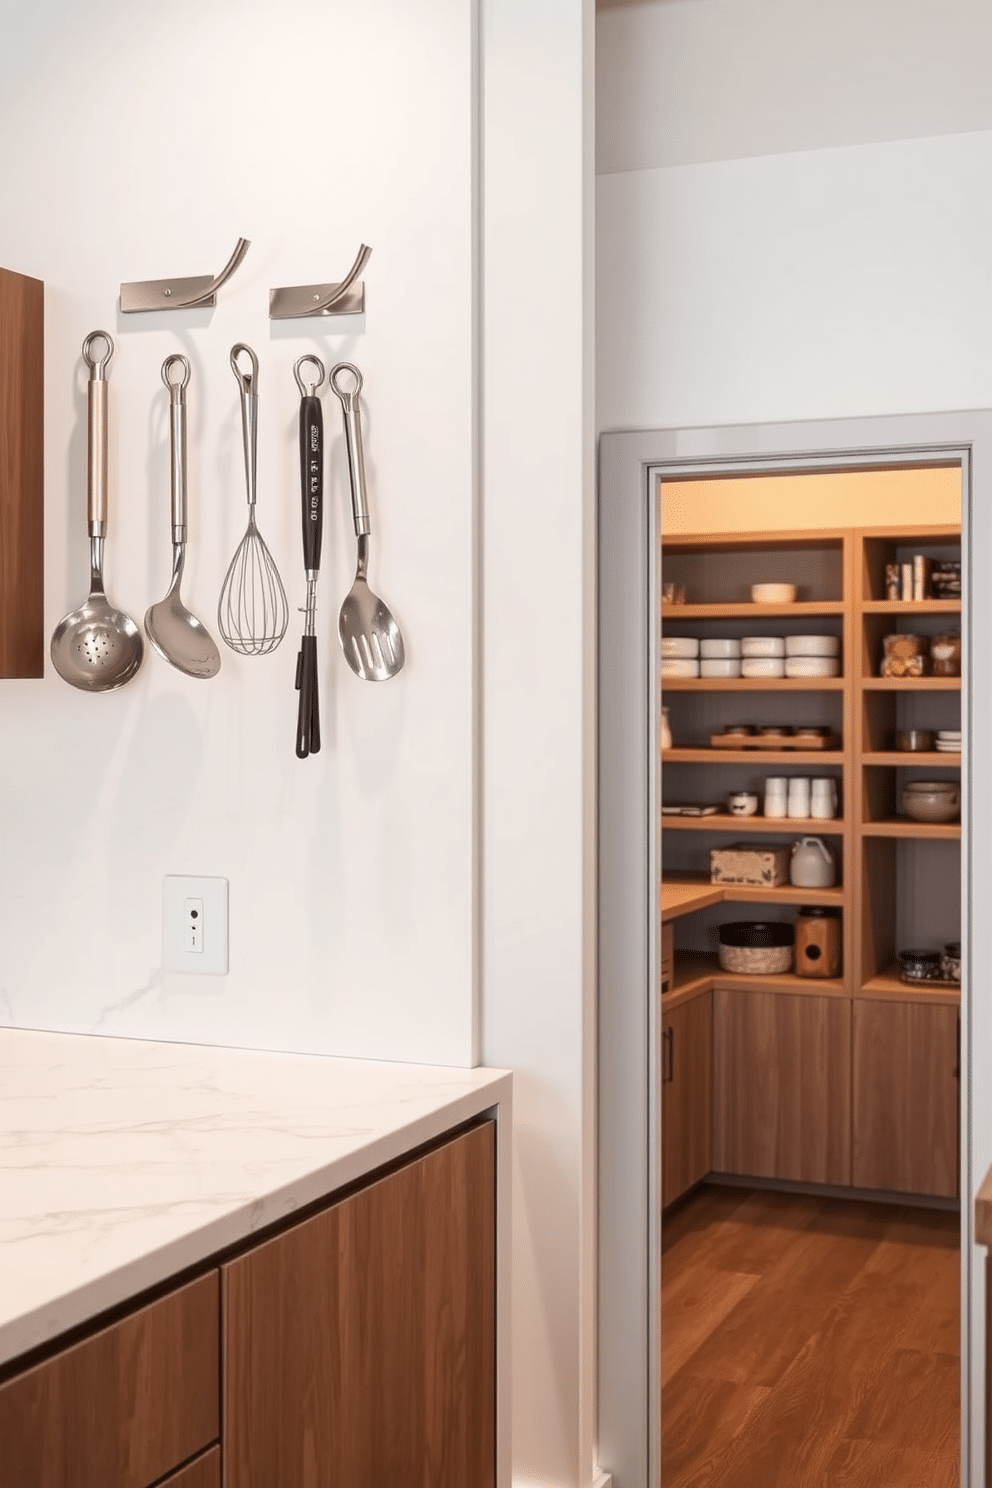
97,647
177,635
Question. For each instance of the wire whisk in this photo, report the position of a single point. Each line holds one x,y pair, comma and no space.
252,613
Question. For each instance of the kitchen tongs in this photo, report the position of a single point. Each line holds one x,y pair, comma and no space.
312,498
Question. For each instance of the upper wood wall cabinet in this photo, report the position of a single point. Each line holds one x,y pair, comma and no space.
22,475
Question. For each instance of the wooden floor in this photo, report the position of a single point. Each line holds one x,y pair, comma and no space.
809,1343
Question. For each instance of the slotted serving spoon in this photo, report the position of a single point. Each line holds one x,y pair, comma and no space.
177,635
369,636
97,647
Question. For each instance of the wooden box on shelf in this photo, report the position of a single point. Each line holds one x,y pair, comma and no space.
763,865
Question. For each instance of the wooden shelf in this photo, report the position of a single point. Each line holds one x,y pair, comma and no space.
695,971
792,826
903,826
901,759
911,607
747,610
680,756
684,893
889,984
761,684
904,684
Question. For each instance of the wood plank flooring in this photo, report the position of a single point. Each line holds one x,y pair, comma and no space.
809,1343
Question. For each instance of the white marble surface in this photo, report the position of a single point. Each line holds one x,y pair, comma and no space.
123,1161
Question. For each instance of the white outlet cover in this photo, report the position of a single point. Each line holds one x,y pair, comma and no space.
212,960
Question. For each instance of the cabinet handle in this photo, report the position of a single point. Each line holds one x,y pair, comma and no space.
668,1056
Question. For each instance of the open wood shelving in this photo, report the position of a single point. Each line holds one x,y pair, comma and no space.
847,593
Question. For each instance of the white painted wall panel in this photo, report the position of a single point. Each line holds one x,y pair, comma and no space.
147,141
814,285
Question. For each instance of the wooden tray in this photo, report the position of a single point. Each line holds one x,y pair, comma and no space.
784,741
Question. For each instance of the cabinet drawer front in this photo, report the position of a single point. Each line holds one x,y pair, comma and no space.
359,1345
122,1408
203,1473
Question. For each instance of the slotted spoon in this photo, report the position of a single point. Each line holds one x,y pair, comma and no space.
97,647
369,636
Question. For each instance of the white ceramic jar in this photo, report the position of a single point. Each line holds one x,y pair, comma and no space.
799,799
776,798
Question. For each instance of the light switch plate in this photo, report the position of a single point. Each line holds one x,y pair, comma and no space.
194,925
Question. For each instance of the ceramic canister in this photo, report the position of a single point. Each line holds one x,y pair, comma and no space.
823,798
776,802
799,796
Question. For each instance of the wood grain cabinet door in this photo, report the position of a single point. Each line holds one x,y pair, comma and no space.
122,1408
359,1345
906,1097
22,469
686,1096
782,1085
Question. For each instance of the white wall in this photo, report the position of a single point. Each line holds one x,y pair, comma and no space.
538,758
792,223
147,141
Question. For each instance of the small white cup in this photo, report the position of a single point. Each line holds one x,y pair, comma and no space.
823,798
799,796
775,795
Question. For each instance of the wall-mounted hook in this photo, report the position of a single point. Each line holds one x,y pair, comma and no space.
180,294
346,298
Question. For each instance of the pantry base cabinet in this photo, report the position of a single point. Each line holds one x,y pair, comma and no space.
906,1097
687,1096
359,1345
123,1407
782,1085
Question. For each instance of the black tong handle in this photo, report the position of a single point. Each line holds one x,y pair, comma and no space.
312,479
308,718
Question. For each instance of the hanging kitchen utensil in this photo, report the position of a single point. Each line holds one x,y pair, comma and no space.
177,635
97,647
370,637
312,499
252,613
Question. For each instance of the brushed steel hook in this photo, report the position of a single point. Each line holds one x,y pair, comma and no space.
180,294
344,298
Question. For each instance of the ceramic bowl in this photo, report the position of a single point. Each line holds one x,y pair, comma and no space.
774,593
812,666
932,801
914,741
763,666
714,650
812,645
720,667
763,646
676,667
682,647
742,803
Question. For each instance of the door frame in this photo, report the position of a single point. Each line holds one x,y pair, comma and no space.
629,1248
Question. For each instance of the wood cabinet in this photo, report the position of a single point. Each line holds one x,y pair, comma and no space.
359,1345
355,1347
906,1097
687,1095
123,1407
782,1085
22,644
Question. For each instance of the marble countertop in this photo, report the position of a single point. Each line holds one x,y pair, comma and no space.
123,1162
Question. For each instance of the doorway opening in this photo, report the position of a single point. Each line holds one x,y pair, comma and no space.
631,1047
809,973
